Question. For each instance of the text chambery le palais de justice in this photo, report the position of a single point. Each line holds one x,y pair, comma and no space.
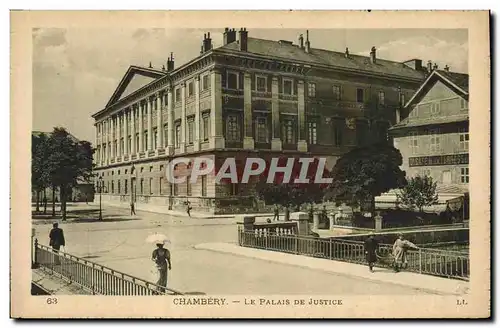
220,301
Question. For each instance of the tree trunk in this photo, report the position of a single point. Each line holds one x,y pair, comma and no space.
53,201
63,190
44,201
38,201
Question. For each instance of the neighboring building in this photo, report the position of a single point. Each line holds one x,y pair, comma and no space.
250,96
433,135
82,192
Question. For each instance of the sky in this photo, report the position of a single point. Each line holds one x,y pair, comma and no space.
75,71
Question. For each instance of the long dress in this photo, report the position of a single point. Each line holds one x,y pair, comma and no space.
399,250
160,256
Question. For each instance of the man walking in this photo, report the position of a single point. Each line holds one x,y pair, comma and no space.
132,208
188,208
276,213
371,247
56,237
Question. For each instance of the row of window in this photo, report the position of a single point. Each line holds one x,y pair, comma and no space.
205,133
435,108
163,187
435,140
446,175
204,85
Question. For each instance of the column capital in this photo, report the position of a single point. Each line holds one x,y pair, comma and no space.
275,79
300,81
247,75
197,78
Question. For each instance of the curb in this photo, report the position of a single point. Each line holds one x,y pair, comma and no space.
373,278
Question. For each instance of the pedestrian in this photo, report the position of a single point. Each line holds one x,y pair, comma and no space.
132,208
188,208
56,237
161,258
276,213
371,248
399,251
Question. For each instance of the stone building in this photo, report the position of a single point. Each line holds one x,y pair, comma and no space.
433,135
249,97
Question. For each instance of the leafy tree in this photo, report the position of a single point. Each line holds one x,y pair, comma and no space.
69,161
364,173
419,193
290,194
40,175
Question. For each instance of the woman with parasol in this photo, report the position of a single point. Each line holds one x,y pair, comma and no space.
161,258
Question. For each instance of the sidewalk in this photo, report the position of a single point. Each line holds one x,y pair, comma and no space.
197,215
414,280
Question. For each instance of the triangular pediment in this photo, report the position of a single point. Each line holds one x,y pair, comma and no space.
134,79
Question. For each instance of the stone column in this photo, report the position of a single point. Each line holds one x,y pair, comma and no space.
197,114
378,222
113,138
141,128
183,118
97,157
170,122
125,131
276,143
159,121
149,109
302,220
108,138
315,221
216,120
118,136
133,146
301,118
248,140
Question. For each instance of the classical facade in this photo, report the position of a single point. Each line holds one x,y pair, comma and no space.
249,97
433,136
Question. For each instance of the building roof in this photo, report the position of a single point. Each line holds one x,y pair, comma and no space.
407,123
458,82
459,79
289,51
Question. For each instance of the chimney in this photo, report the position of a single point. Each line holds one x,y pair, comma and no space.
346,52
301,41
447,68
308,44
373,55
207,43
229,36
243,39
429,66
150,66
435,66
170,62
163,68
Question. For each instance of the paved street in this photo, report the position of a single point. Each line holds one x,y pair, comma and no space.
119,243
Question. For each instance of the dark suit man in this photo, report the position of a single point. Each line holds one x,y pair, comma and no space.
56,236
371,247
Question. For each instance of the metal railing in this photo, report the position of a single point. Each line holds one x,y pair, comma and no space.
435,262
93,277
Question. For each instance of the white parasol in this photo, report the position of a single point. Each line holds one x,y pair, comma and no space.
157,238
